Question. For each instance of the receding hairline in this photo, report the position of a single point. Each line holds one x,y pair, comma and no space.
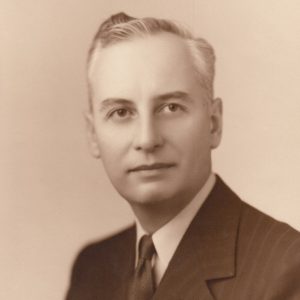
184,42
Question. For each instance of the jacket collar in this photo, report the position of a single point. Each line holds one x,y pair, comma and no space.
207,250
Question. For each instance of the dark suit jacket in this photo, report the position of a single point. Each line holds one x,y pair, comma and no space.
230,251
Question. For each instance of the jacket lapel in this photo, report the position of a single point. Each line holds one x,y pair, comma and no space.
207,250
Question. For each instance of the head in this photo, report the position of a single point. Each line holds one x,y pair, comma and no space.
152,116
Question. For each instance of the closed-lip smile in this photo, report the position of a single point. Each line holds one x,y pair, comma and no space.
154,166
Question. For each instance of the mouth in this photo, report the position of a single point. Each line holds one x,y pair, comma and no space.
156,166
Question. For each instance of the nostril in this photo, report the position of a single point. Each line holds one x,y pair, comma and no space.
148,136
148,144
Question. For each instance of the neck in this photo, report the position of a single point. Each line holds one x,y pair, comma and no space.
153,216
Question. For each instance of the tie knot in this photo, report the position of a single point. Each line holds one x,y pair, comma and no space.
146,247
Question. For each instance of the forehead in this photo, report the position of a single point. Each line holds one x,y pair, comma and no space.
151,64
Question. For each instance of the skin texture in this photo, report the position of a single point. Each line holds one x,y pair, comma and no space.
149,112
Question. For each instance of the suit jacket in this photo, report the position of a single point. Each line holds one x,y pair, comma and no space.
230,251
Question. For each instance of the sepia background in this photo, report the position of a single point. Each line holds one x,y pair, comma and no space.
55,197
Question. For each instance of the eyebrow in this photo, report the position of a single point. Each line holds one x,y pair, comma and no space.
173,95
106,103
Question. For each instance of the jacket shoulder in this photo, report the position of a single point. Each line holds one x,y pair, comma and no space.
108,245
101,267
253,220
264,225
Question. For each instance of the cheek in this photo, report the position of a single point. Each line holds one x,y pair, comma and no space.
112,163
192,134
113,146
112,140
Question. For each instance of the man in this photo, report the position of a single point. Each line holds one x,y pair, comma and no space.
154,121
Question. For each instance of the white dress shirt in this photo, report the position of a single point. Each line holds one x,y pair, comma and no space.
167,238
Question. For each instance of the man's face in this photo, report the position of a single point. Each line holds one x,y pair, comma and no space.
151,124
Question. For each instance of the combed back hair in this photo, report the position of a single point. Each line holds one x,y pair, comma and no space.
121,27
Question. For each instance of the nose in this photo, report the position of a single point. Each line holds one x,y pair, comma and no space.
147,135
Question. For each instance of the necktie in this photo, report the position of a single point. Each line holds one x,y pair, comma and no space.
142,286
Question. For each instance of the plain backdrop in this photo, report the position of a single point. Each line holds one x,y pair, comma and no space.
55,197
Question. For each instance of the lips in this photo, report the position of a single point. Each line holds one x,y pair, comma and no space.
155,166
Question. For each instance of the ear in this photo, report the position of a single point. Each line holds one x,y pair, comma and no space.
216,121
92,136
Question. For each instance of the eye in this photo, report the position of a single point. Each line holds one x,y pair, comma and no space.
172,108
120,114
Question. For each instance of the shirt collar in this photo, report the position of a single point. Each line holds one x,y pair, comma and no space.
167,238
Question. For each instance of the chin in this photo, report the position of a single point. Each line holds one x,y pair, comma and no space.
148,196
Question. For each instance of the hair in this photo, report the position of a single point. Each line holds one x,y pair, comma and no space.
121,27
